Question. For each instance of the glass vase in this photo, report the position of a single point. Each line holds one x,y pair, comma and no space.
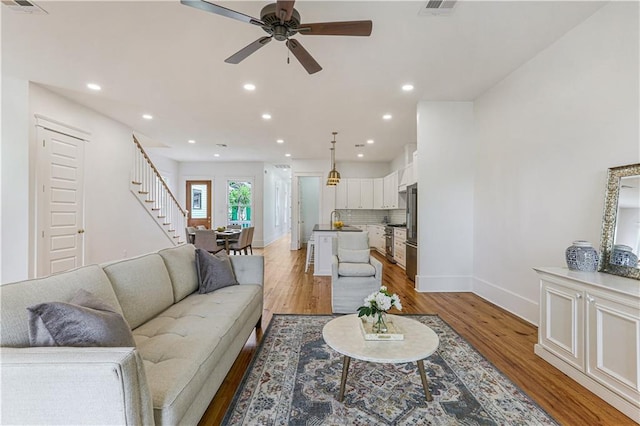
380,324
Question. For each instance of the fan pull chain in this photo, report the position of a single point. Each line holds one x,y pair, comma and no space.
288,53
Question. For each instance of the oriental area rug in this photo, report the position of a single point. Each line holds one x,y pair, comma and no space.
294,379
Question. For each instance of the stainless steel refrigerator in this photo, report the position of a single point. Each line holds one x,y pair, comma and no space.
412,231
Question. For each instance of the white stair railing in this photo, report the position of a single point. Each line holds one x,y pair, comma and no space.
154,194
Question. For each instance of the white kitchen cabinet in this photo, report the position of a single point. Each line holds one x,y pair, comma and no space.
391,191
376,237
590,330
366,194
359,193
399,247
341,195
407,178
378,193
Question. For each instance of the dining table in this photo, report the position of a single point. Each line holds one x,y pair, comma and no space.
227,235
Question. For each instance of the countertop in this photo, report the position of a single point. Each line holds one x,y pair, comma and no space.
329,228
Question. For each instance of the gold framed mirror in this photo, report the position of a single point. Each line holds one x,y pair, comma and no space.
620,244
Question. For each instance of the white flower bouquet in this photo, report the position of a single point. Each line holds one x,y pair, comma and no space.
377,304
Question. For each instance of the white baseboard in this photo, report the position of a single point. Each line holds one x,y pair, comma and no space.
522,307
443,283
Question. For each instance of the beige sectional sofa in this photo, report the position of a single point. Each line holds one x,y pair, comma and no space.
185,343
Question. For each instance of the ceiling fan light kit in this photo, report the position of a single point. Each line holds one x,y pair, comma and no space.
281,21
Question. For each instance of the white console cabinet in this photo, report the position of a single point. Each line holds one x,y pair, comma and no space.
590,330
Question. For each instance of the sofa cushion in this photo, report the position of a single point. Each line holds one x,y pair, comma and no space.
182,346
142,285
16,297
356,269
354,256
181,264
214,271
84,321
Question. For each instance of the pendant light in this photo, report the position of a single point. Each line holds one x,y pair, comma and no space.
334,177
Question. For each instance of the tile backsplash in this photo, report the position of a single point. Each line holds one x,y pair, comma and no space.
356,217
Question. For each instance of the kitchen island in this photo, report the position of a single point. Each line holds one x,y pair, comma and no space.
323,235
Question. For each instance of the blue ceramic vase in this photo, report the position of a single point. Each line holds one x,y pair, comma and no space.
581,256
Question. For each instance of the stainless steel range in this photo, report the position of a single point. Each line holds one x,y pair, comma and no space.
388,240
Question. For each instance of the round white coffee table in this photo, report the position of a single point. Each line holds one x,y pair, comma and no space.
344,335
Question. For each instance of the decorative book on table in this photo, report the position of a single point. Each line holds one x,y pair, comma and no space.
393,331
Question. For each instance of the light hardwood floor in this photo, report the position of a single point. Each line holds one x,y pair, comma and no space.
504,339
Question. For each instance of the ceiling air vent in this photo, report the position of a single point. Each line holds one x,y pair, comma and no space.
437,7
23,6
282,166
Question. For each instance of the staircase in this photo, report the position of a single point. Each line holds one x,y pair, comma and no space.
154,195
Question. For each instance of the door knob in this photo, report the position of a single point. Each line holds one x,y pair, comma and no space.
80,231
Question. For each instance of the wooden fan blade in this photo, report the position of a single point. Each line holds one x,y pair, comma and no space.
303,56
223,11
242,54
284,9
347,28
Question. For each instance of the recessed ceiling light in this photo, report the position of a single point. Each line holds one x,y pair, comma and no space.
370,141
191,141
287,155
386,117
94,86
266,116
147,116
249,87
407,87
280,141
361,155
216,155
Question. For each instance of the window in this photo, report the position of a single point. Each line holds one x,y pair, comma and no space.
239,201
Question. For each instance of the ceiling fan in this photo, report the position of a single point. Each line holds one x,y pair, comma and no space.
281,21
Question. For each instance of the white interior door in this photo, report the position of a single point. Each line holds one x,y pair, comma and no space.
309,198
60,202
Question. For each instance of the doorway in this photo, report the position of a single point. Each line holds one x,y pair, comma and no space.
239,203
199,203
60,197
309,205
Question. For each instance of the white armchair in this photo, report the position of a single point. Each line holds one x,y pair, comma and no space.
355,274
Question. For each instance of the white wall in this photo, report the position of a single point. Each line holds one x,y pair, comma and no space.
14,180
352,169
276,201
115,223
446,143
546,136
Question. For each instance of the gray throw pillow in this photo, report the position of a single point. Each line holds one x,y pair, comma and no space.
214,271
353,256
84,321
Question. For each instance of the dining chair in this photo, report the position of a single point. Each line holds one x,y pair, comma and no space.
251,239
206,239
191,232
201,227
243,242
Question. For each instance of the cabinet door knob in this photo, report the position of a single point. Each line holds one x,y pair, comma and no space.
578,295
590,299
